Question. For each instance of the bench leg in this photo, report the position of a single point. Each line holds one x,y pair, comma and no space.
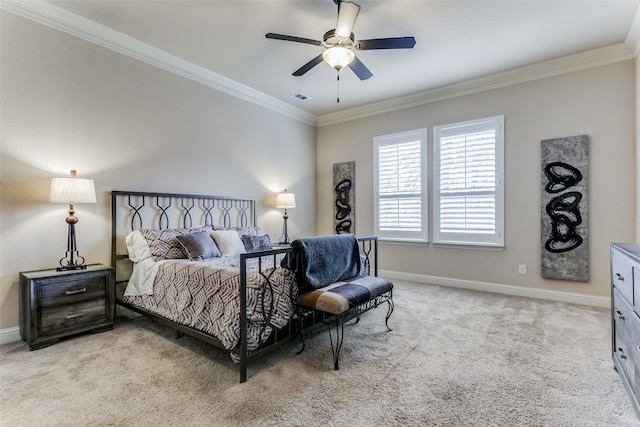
389,311
304,343
336,349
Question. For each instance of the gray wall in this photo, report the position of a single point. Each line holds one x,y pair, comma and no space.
68,104
598,102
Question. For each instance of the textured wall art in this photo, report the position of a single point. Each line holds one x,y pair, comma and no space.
344,193
565,201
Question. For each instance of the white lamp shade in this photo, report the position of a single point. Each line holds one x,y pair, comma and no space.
72,190
285,200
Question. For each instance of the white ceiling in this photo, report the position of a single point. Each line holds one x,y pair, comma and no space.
455,40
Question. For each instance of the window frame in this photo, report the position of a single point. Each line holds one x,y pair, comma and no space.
470,239
418,237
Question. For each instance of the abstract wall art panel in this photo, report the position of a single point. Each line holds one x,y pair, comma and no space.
344,196
565,214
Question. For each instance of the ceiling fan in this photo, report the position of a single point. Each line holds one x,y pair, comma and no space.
339,43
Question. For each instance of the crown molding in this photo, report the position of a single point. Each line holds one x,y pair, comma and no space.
70,23
554,67
633,36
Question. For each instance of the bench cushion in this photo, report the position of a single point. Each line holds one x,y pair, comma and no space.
341,296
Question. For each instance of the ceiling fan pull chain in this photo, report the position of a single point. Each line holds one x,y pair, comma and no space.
338,87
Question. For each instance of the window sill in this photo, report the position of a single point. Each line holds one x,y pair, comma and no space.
403,242
472,246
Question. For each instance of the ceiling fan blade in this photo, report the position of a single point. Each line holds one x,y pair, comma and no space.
360,69
292,39
347,14
388,43
309,65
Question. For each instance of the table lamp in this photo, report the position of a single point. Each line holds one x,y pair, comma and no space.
284,201
72,190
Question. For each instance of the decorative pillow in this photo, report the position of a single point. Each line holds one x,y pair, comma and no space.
198,246
256,243
229,243
163,243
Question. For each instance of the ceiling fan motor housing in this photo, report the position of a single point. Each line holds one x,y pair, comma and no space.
330,38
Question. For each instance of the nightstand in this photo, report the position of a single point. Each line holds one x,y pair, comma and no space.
55,304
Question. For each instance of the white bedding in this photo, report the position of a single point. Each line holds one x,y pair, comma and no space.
144,267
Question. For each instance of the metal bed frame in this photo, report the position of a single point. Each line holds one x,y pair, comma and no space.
132,210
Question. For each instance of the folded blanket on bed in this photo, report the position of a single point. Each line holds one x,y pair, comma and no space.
320,261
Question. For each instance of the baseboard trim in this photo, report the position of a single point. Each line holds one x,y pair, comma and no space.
9,335
497,288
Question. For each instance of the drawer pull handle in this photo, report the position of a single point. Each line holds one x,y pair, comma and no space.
73,316
620,277
620,316
76,291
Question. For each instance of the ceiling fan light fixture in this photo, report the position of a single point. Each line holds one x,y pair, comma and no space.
338,56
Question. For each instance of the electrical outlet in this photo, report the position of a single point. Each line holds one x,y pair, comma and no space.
522,269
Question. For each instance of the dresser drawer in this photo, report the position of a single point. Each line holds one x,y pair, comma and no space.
626,321
71,291
622,274
627,336
55,319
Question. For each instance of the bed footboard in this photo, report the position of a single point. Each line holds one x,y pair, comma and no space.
280,335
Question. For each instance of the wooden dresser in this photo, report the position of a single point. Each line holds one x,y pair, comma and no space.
625,323
56,304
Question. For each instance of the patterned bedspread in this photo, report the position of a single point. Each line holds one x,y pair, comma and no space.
205,295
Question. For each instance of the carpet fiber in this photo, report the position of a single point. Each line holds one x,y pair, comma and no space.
454,358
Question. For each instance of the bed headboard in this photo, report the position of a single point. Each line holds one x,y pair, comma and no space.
132,210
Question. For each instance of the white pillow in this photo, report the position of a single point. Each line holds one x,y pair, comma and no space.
229,242
137,246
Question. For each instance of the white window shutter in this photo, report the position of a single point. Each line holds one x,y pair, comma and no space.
400,199
468,190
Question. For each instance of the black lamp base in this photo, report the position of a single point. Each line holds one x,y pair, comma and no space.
71,267
72,259
284,240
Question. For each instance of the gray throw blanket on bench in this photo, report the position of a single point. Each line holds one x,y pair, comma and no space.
321,261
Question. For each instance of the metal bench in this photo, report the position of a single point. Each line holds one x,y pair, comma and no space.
345,300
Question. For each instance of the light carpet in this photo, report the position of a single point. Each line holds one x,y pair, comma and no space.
454,358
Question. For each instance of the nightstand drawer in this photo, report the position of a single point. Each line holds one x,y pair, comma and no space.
55,319
56,304
71,291
622,275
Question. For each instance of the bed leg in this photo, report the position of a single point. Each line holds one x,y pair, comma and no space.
243,372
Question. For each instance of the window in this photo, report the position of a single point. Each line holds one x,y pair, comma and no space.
400,186
468,187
